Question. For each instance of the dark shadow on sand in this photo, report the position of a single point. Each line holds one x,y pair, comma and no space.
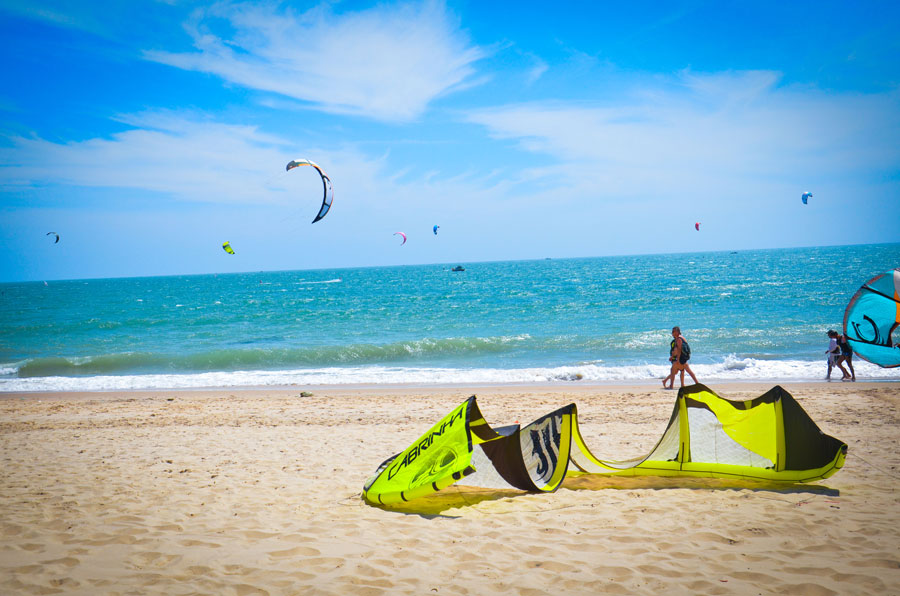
452,497
597,482
455,497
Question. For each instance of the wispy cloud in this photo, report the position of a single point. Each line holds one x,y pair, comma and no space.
699,131
536,71
183,156
48,13
387,63
189,157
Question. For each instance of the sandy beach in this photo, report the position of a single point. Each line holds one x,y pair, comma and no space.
257,492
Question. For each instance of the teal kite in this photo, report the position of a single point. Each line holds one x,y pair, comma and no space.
872,317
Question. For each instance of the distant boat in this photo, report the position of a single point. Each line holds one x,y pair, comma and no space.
458,268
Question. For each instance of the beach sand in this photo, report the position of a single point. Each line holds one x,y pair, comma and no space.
258,492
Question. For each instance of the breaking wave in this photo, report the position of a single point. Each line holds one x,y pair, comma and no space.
726,370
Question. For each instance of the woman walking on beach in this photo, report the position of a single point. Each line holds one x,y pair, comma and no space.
834,352
846,356
679,354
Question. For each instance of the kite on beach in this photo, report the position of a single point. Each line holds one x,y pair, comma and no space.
768,438
402,235
328,195
462,444
872,317
227,248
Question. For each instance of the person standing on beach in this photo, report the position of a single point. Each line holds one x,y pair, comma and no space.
679,354
670,379
846,356
833,353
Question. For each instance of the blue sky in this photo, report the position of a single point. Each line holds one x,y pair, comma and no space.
148,133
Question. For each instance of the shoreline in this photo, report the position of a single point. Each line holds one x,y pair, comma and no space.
391,388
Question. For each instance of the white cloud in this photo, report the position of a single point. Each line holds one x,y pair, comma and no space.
178,155
189,158
537,70
386,63
704,132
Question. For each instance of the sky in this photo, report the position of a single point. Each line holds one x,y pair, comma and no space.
147,133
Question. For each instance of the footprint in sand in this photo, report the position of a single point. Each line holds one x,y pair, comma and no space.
368,571
614,573
297,551
67,562
191,542
322,564
247,590
885,563
153,559
553,566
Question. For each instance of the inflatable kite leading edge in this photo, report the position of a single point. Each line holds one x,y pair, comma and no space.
767,438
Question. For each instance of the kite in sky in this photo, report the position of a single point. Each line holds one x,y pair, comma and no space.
697,226
57,236
872,316
402,235
227,248
328,190
436,229
805,197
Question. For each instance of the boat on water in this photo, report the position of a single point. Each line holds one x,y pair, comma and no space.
458,268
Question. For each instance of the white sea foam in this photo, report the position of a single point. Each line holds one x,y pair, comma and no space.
327,281
730,369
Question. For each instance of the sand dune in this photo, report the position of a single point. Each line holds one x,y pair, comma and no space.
257,492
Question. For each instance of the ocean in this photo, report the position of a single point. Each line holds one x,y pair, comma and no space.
748,316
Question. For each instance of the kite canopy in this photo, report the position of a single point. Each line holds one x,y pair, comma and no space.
436,229
463,445
401,234
328,195
697,226
805,197
227,248
57,236
871,318
767,438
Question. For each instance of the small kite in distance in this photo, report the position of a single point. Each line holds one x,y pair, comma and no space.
328,195
403,235
54,234
227,248
436,229
805,197
697,226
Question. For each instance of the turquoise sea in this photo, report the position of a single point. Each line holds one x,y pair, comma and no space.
748,315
